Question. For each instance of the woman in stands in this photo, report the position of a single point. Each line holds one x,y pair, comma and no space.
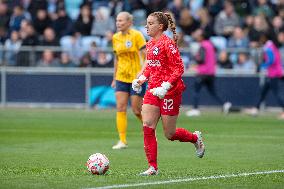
163,97
129,49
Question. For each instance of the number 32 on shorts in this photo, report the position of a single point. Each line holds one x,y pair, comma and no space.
168,104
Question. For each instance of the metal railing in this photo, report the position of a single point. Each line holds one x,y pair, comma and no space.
33,52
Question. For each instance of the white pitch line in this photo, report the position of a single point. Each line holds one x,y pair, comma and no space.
188,179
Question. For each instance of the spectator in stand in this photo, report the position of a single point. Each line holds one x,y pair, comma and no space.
48,59
4,15
155,5
244,63
117,6
226,20
176,6
65,61
24,25
224,61
214,7
91,58
107,41
277,26
49,38
62,24
52,8
243,7
195,6
34,5
93,52
280,39
16,18
85,61
187,23
103,23
12,46
206,22
248,23
182,43
281,12
75,49
29,38
84,22
41,21
3,37
260,26
278,6
263,9
238,40
104,60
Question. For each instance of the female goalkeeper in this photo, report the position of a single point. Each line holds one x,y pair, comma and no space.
163,97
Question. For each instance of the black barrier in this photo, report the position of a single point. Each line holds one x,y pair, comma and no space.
45,88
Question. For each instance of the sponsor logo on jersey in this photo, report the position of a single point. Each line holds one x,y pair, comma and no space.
153,63
173,49
128,44
156,51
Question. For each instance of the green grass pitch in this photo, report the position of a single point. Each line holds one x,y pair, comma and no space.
42,148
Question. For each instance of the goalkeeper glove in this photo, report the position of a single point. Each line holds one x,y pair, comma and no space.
161,91
136,83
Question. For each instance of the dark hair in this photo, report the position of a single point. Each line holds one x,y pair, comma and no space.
167,21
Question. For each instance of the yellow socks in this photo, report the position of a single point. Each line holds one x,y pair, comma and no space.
121,124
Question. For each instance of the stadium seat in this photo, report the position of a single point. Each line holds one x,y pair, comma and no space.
87,40
65,42
219,42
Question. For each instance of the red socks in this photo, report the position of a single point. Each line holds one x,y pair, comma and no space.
150,142
184,135
150,146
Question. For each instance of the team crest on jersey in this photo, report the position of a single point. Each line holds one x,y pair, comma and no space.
156,51
128,44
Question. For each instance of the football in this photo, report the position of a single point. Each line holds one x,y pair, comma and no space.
97,164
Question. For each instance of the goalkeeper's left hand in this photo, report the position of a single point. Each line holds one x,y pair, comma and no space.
161,91
136,83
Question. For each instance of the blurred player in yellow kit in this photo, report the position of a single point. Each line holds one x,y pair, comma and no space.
129,49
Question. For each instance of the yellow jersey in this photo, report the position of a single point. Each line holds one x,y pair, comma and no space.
127,47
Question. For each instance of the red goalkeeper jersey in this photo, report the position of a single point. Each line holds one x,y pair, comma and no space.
164,64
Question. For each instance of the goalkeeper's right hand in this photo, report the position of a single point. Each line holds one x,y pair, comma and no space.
136,83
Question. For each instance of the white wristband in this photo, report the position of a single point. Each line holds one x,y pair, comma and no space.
142,78
166,85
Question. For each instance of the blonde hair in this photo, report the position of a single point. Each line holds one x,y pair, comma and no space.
167,20
127,15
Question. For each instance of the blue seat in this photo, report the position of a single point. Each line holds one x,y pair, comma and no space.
219,42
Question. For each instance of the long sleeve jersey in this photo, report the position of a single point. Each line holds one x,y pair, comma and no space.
164,63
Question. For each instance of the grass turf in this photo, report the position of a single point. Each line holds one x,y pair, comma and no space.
42,148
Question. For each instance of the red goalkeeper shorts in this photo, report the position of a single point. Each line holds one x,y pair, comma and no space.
168,106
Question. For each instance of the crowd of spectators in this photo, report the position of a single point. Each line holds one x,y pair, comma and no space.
76,33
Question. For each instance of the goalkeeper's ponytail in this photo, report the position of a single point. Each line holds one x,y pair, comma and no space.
167,21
